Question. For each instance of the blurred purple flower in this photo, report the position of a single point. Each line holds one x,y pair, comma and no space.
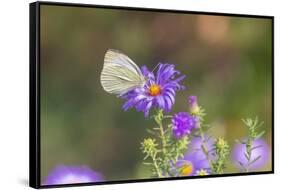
194,159
192,100
72,174
261,150
193,105
158,92
183,124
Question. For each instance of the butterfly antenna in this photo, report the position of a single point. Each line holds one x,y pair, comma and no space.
155,67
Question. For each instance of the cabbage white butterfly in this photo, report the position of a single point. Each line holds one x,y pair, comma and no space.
120,74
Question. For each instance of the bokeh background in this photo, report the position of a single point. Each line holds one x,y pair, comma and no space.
227,61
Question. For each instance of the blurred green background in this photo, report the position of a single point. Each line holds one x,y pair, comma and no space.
227,61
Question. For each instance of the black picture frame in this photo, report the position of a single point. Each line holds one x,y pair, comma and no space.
34,98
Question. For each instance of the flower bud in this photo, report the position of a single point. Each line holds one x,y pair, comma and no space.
193,106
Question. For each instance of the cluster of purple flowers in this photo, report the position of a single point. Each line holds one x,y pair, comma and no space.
160,92
194,159
183,124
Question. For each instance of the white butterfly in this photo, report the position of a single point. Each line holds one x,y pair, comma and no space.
120,74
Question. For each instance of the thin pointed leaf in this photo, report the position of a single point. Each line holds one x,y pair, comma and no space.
260,124
260,134
150,131
241,164
147,163
239,141
145,157
259,146
246,156
256,159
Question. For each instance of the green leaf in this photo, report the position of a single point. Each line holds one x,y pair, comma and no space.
260,135
146,157
240,163
150,131
246,156
256,147
260,124
239,141
147,163
257,158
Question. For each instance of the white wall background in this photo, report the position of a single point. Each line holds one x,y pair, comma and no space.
14,94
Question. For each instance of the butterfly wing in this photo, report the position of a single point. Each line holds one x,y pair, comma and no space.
120,74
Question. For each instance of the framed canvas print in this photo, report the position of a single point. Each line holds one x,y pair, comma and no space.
121,94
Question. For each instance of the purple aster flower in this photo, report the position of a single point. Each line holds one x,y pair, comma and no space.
193,105
194,159
72,174
159,91
261,150
183,124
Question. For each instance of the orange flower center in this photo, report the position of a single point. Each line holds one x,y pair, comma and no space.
154,90
187,169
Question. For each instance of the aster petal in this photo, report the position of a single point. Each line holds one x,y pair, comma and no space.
169,103
171,90
170,95
147,73
161,102
148,106
145,70
159,72
168,72
127,105
141,105
139,98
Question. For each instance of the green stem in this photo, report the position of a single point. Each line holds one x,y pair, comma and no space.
156,166
167,117
204,147
164,142
162,135
249,153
